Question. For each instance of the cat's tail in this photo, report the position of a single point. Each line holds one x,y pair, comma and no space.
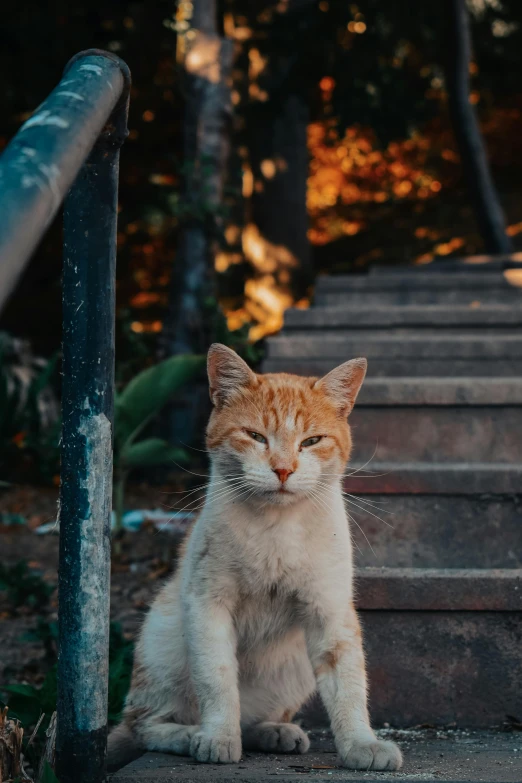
123,747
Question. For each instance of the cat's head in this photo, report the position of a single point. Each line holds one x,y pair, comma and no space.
277,437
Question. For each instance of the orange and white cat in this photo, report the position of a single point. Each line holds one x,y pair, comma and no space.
260,612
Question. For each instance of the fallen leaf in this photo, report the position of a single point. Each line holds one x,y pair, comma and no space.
323,766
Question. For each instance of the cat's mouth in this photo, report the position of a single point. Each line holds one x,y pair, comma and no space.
282,494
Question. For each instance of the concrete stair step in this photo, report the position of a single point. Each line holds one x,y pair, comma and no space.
416,355
434,316
443,346
404,332
398,368
385,368
442,645
409,296
433,420
439,590
468,433
414,281
442,478
452,638
471,264
440,392
433,530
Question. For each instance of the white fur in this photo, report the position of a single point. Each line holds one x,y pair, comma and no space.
260,612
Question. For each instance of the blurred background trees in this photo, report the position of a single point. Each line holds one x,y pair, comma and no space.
273,141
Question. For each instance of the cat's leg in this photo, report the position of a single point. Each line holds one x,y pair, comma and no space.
211,639
336,653
273,737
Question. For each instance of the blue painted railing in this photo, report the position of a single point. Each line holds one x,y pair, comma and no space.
68,151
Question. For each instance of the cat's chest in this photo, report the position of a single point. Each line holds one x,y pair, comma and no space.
275,558
262,618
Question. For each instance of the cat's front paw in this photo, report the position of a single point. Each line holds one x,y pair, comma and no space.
372,754
213,749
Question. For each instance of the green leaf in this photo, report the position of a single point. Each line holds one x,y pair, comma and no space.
24,703
28,691
149,391
43,378
48,775
49,691
153,451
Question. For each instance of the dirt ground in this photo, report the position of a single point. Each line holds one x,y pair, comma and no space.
147,557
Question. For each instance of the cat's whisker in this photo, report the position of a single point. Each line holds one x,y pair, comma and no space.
320,495
244,499
352,519
179,491
187,493
204,488
351,500
356,472
369,460
186,470
372,475
359,470
362,531
186,445
190,509
200,486
372,503
224,487
347,495
318,501
201,475
314,497
367,511
225,491
348,499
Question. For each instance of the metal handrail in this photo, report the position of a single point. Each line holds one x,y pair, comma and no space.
68,151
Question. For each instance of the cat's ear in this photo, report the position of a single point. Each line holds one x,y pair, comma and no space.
342,385
227,373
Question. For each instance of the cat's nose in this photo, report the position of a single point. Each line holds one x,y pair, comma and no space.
282,474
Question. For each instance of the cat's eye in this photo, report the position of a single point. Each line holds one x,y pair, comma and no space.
311,441
257,436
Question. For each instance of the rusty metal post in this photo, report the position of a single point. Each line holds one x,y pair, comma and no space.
90,217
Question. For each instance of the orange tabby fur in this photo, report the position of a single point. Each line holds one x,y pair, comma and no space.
260,611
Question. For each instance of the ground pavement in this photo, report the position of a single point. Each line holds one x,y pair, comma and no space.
430,755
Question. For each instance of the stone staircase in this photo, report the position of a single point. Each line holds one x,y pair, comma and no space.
438,488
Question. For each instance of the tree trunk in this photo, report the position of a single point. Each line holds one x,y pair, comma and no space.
207,67
489,213
279,160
